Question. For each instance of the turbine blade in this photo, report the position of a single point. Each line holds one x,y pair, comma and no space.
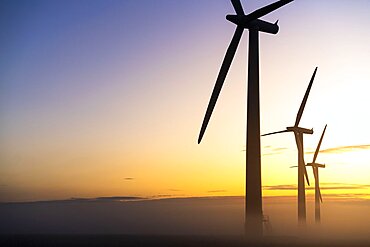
303,104
300,146
314,170
318,145
221,78
267,9
316,174
293,167
277,132
306,175
238,7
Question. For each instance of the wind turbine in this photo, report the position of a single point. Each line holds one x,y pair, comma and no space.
253,199
302,172
315,168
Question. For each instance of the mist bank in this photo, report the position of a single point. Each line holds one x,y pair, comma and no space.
346,219
168,240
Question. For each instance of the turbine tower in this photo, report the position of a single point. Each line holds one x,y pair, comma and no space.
302,172
253,199
315,168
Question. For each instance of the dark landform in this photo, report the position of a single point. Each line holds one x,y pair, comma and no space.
164,241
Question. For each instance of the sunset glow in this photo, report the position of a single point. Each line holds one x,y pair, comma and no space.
95,92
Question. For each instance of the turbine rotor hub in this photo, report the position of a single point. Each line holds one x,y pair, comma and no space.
300,130
253,24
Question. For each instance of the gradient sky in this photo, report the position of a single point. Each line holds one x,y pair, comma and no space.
95,92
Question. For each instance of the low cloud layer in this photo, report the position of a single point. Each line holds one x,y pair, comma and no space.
216,191
324,186
343,149
79,199
118,198
268,150
163,196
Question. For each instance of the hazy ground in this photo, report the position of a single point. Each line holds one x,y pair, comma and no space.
178,222
163,240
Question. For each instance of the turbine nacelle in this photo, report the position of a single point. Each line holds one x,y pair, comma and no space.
255,24
316,165
297,129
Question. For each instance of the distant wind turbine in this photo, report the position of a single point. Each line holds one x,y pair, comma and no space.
253,199
302,172
315,169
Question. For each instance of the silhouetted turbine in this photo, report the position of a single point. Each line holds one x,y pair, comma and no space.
253,214
302,172
315,169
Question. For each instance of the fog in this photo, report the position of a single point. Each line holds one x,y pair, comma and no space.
342,219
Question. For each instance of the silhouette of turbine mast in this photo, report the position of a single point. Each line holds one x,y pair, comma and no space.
253,199
315,168
302,172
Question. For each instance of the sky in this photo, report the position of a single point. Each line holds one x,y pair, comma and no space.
106,98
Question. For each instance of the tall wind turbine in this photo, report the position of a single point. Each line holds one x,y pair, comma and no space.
302,172
315,169
253,199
